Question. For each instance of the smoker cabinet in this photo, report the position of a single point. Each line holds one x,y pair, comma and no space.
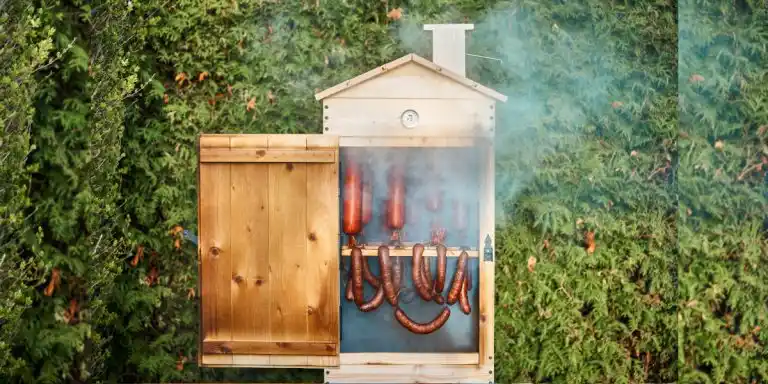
275,243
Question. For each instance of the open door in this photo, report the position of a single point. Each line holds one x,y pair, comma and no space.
268,216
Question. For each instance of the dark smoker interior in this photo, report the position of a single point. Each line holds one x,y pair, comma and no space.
440,206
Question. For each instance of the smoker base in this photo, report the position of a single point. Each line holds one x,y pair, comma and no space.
437,372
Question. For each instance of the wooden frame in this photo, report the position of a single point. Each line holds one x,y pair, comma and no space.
451,111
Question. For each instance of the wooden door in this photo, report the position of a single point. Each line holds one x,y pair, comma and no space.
268,214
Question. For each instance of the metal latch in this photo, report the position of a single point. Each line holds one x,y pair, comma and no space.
488,250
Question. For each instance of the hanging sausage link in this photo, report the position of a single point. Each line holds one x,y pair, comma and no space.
423,328
458,278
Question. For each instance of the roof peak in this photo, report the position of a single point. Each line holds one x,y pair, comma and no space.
409,58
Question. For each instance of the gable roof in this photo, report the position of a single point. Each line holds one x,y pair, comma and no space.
410,58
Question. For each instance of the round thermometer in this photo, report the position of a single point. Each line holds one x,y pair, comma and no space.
410,119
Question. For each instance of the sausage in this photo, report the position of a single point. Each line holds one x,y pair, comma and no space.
426,273
463,298
458,278
386,275
366,205
396,201
416,273
368,275
375,302
397,274
357,276
469,278
442,262
349,295
423,328
353,191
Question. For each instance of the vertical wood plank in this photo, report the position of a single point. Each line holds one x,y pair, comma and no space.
250,251
322,238
287,251
487,272
215,251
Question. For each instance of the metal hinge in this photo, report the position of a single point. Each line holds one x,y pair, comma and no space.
488,250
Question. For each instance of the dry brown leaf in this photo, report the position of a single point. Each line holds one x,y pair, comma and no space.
152,276
229,89
176,229
53,283
531,263
139,256
202,76
251,104
180,78
177,243
165,98
71,312
395,14
589,242
719,144
271,97
695,78
190,293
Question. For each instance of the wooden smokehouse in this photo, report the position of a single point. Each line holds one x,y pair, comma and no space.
308,243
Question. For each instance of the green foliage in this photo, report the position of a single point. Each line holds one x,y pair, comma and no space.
103,101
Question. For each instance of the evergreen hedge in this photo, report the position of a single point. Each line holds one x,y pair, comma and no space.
632,158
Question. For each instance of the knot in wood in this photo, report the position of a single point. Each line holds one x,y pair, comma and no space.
215,251
237,278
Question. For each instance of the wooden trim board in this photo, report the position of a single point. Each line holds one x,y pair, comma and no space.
266,155
267,361
241,347
409,358
411,374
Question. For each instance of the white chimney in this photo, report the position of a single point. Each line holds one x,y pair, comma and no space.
448,46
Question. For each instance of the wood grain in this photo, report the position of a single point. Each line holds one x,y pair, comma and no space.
486,277
396,374
265,155
215,250
322,237
250,251
287,251
246,347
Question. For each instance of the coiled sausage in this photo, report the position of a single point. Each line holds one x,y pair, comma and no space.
463,298
368,275
375,302
417,272
442,263
357,276
458,278
386,275
423,328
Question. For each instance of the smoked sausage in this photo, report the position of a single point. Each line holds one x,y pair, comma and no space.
397,274
357,276
442,262
349,295
417,272
386,275
366,205
469,278
423,328
353,191
375,302
368,275
463,298
458,278
396,200
426,273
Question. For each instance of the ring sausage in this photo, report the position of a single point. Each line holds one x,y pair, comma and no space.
423,328
375,302
357,276
352,220
386,275
469,278
458,278
442,261
463,298
416,273
426,272
397,274
349,295
368,275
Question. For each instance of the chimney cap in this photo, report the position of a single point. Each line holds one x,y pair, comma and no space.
434,27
